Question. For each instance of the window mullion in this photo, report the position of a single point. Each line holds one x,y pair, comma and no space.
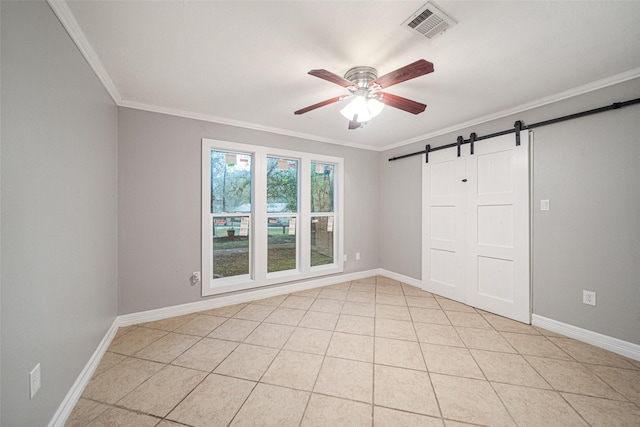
338,211
260,217
305,216
206,245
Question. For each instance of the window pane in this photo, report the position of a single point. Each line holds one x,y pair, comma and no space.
230,182
230,246
322,187
281,242
321,240
282,185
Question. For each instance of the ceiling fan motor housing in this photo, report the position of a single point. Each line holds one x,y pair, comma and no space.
361,75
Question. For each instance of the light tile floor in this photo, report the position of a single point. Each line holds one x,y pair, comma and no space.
372,352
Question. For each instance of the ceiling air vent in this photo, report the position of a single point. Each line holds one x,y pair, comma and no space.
429,21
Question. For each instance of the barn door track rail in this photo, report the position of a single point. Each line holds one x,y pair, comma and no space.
517,127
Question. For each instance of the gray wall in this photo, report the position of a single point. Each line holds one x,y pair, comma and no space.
590,238
58,176
159,203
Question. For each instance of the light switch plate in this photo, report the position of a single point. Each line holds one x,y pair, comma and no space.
544,205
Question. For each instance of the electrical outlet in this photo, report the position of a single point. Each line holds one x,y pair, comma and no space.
589,298
345,258
357,256
195,277
34,381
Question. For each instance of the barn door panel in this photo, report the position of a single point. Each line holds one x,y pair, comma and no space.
443,234
498,228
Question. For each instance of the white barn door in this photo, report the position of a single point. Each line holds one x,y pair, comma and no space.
491,262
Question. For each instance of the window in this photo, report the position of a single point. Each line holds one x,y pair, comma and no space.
282,199
230,201
268,216
322,191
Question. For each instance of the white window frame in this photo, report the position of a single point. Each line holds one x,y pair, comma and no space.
258,276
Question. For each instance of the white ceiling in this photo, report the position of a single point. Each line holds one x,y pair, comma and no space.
246,62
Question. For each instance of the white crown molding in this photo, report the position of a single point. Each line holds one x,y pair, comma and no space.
64,14
238,123
68,20
580,90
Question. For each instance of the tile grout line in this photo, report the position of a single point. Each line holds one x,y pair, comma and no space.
564,399
605,381
552,389
373,367
115,404
426,366
324,358
170,364
192,390
200,339
504,405
333,331
208,373
244,402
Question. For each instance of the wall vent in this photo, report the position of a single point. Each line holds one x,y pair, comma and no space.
429,21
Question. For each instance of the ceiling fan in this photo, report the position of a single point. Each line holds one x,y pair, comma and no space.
365,87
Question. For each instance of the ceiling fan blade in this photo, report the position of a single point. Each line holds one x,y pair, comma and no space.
408,72
354,124
333,78
318,105
401,103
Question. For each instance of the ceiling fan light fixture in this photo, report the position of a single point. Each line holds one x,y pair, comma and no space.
362,109
375,107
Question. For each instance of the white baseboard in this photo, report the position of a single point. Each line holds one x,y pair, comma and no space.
402,278
72,397
237,298
615,345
